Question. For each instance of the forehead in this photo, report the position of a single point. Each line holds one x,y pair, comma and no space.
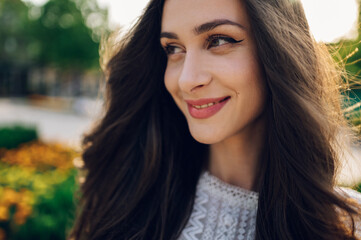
183,13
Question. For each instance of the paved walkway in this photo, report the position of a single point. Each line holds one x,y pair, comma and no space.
53,125
68,127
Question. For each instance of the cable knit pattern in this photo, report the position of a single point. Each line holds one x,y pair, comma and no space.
225,212
221,212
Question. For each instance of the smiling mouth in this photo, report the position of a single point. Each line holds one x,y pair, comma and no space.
206,108
207,105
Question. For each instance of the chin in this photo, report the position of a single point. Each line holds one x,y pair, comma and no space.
206,138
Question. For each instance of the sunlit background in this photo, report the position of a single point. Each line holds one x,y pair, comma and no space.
50,82
329,20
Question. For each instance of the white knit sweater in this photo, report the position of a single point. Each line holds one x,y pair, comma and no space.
225,212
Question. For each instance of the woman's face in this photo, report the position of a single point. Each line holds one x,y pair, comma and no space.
213,72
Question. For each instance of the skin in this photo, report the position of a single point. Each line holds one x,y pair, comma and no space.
220,61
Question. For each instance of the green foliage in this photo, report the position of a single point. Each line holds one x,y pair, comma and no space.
52,215
14,32
350,53
358,188
52,211
37,185
13,136
65,39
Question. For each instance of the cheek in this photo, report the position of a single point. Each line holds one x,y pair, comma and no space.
249,68
239,74
257,88
169,81
171,84
255,83
245,78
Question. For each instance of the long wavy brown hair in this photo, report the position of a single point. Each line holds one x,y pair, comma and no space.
143,165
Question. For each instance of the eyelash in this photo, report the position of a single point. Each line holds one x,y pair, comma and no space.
169,49
220,37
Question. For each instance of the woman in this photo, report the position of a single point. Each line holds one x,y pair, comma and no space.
221,123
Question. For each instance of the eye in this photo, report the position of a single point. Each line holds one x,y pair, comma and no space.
219,40
172,49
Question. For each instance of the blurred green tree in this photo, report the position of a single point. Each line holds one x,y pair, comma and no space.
66,35
61,33
14,32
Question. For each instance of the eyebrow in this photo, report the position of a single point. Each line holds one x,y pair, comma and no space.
169,35
205,27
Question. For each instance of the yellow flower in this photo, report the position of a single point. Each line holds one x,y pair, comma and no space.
4,213
9,197
22,201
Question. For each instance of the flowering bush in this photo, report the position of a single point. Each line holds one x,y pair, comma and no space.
37,182
41,156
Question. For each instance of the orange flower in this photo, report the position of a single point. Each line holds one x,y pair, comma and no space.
41,156
4,213
9,197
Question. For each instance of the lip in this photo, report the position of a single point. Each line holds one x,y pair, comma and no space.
202,113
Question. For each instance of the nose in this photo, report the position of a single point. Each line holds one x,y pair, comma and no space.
194,74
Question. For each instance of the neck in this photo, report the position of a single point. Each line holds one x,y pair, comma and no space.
236,159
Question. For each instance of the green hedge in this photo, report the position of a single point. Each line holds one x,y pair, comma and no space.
12,136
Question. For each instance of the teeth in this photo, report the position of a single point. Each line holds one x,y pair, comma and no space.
204,106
